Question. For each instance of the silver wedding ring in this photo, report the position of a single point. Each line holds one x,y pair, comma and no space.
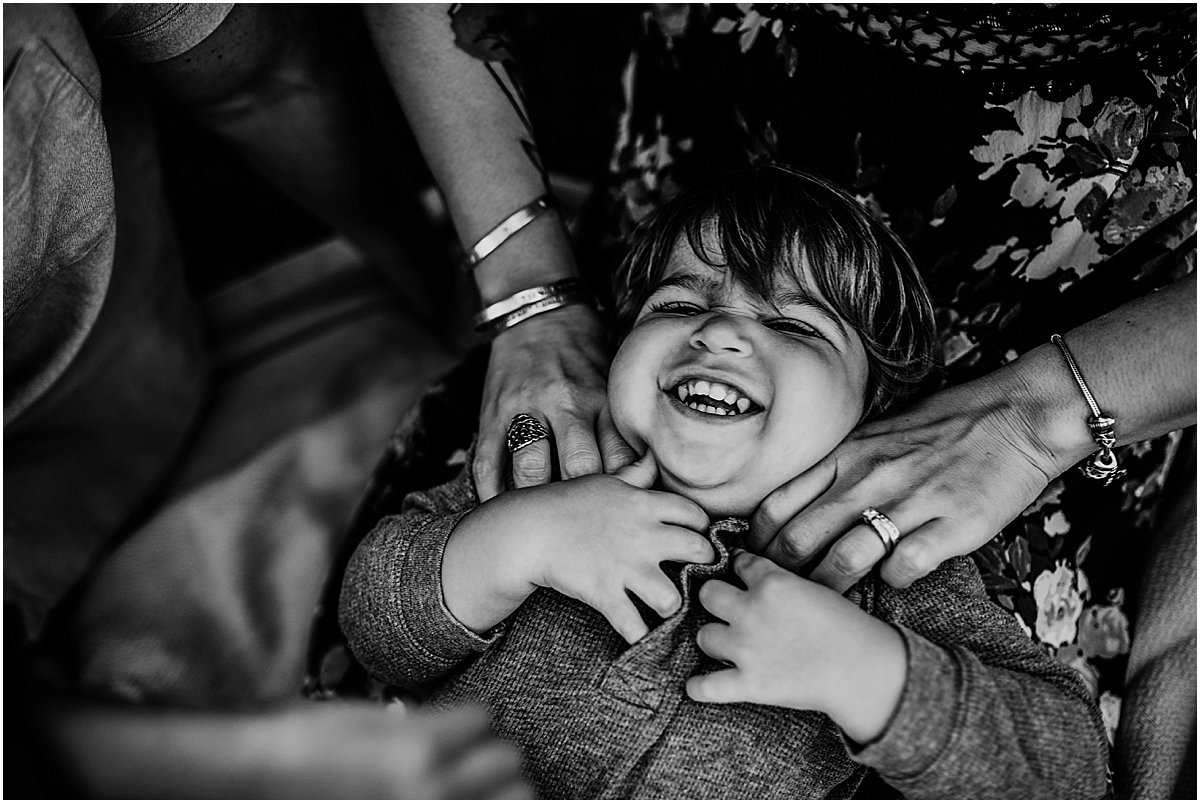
524,430
884,527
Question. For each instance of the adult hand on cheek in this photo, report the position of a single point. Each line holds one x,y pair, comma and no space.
797,644
552,367
950,471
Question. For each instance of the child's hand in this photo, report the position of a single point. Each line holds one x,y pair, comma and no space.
797,644
598,537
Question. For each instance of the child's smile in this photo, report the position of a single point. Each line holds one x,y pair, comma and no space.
714,398
734,395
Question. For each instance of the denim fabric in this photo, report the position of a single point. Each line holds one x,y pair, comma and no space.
103,368
984,713
152,32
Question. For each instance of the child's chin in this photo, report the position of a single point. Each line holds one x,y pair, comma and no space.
718,500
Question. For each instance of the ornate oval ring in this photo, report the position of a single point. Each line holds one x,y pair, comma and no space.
523,430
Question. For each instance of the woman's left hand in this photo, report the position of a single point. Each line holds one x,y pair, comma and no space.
949,471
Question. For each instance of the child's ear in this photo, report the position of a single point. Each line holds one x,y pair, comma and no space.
641,474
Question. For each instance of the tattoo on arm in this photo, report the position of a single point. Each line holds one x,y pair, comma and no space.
478,33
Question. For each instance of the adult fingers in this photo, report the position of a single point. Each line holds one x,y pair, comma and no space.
924,549
716,641
850,558
782,504
615,453
683,545
489,465
724,686
719,598
517,790
923,545
654,589
482,772
455,731
813,529
578,454
532,464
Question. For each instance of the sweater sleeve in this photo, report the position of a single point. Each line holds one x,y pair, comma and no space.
391,609
985,712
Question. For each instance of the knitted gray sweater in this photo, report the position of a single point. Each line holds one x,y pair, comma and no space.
984,712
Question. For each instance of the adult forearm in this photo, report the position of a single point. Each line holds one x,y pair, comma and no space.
1139,362
472,128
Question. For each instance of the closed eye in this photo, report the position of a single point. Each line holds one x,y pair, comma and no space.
675,308
792,326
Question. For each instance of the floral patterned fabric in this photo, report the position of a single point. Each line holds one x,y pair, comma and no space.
1030,210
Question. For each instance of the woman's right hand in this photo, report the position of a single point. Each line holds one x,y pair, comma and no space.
554,367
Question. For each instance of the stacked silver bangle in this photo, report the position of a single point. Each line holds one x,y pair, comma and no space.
506,229
522,305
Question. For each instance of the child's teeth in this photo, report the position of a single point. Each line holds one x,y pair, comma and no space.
683,393
743,405
701,387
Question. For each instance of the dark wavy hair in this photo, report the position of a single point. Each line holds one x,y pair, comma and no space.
762,224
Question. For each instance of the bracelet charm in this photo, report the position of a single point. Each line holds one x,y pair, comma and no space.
1103,464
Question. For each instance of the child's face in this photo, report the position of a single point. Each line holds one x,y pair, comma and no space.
797,374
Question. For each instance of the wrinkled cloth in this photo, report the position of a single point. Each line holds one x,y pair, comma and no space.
104,370
983,713
1156,740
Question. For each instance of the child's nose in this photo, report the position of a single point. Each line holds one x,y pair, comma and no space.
722,334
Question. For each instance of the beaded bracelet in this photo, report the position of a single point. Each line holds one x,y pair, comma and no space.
506,229
1103,464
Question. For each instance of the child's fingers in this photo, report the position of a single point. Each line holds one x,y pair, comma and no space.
720,599
641,473
654,589
683,545
716,641
675,509
625,619
753,569
717,687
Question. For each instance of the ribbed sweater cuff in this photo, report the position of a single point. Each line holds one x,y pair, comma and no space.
425,617
922,724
